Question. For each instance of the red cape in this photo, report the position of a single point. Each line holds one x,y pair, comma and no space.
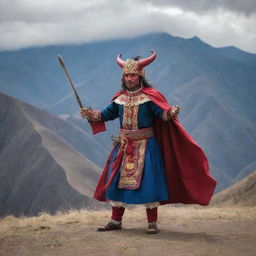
187,170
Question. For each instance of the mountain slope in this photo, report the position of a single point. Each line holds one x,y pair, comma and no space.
39,171
225,134
242,193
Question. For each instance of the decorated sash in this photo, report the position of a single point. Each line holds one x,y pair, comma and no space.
133,144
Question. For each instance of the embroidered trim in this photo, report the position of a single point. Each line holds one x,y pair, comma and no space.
130,116
132,99
133,142
132,165
94,115
131,104
131,67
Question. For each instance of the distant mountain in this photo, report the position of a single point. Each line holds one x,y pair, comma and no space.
39,171
228,138
242,193
215,88
81,140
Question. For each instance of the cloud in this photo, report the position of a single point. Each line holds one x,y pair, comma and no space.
25,23
246,7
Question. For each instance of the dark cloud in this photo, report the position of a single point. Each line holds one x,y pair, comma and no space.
246,7
25,23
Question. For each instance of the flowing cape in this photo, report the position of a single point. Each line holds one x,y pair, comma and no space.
186,166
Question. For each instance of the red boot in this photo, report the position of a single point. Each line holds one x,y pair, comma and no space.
152,219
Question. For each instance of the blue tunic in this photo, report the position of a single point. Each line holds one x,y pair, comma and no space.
153,186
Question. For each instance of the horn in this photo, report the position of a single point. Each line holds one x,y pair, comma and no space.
119,61
144,62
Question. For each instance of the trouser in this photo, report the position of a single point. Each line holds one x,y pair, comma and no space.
118,212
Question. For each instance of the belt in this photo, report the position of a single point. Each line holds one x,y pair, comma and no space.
137,134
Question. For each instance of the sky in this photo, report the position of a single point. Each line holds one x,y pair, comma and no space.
26,23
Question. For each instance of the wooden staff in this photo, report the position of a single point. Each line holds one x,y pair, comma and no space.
61,62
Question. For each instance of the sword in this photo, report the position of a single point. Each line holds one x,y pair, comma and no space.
61,62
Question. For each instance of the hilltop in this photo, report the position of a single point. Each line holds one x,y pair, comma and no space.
225,228
190,231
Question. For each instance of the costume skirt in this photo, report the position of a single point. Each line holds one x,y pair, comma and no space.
153,187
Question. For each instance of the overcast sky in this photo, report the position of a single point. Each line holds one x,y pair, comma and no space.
25,23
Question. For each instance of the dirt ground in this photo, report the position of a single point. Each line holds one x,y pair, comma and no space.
184,231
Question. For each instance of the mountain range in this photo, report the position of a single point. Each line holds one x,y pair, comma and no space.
215,88
42,171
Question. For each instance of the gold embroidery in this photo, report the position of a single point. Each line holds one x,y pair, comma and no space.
132,166
137,99
95,115
131,107
131,67
134,144
130,117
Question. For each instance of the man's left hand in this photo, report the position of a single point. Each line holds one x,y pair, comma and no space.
174,111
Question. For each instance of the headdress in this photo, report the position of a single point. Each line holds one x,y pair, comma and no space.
132,66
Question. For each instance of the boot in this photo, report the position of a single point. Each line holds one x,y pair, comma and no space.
111,225
116,220
152,219
152,228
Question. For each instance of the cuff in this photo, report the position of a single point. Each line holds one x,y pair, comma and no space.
94,115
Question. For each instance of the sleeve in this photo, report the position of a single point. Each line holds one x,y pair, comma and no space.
157,111
111,112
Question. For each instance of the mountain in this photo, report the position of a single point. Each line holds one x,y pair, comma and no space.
242,193
215,88
227,137
40,171
40,81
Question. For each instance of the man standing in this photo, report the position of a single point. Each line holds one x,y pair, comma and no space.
154,161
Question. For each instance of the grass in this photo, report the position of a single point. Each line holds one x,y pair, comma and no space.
11,226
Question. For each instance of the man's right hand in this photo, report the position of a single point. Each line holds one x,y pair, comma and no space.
85,112
90,114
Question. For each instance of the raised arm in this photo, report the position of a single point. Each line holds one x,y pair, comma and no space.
109,113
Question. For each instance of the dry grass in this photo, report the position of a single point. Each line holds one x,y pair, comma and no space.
12,226
186,230
210,213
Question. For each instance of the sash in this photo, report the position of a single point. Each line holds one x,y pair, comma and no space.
133,143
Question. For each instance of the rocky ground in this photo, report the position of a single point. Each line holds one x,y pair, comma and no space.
184,231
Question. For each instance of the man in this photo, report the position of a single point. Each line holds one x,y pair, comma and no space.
155,161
